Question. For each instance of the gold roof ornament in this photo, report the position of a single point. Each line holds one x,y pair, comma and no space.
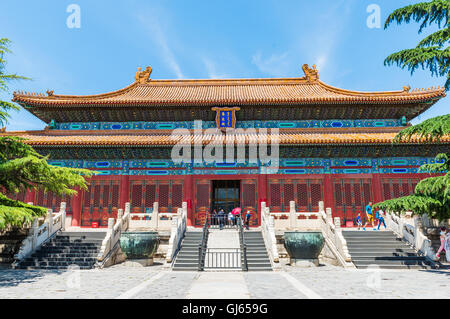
311,75
143,76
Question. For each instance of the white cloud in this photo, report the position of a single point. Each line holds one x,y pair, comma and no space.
275,65
157,34
212,71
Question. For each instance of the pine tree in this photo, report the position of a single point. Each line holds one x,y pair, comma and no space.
22,168
431,195
432,52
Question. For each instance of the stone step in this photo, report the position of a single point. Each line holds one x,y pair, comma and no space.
50,267
360,262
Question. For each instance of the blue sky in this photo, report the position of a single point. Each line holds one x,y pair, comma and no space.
203,39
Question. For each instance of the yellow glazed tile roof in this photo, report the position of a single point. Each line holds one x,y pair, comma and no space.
164,138
283,91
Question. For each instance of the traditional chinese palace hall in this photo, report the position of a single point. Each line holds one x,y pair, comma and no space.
335,145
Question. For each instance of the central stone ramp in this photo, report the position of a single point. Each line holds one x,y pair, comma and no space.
383,249
223,250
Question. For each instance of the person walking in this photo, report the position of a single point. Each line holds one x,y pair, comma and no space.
442,237
358,221
380,217
369,214
247,220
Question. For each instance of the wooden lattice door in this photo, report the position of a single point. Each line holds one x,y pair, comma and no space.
100,202
202,200
351,197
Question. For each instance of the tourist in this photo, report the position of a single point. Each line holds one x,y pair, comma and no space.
380,217
359,221
443,234
247,220
214,218
230,218
221,216
237,214
369,216
447,246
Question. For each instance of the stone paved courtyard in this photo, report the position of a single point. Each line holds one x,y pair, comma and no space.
160,282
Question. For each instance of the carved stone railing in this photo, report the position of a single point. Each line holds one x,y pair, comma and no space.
155,220
268,232
39,234
177,232
113,233
409,228
332,232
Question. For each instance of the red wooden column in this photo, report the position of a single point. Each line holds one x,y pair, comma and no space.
124,190
328,197
189,199
76,207
376,188
262,190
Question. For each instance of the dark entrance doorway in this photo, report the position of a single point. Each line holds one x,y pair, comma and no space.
226,195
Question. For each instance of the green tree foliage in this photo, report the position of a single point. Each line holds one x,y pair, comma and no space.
22,168
431,195
5,79
432,52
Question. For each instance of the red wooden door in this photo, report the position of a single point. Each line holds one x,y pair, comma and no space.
202,201
100,202
351,197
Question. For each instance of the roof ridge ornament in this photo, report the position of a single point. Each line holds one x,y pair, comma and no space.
143,76
312,75
407,88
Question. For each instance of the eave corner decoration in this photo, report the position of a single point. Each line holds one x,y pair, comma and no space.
226,117
311,75
143,76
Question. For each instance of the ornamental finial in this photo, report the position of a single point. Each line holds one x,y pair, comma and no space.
143,76
311,75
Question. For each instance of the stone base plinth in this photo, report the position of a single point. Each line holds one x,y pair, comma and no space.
139,262
304,263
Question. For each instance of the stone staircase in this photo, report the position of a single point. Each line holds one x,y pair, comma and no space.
257,258
382,248
187,257
66,249
10,243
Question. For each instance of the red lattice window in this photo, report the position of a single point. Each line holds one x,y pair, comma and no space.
115,195
87,196
136,195
203,195
275,195
150,195
177,195
348,194
386,191
96,195
163,194
316,194
302,195
357,192
249,195
288,194
396,189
